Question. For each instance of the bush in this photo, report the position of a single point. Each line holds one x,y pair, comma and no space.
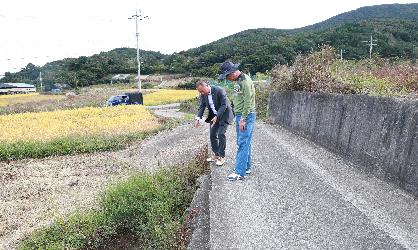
321,72
189,106
187,85
314,72
148,85
282,78
261,100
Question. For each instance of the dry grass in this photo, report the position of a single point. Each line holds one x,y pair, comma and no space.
45,126
169,96
8,100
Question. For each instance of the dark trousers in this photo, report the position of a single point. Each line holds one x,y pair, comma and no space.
218,139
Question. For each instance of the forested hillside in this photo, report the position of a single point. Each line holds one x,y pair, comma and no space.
395,27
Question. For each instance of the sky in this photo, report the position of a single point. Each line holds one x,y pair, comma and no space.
47,30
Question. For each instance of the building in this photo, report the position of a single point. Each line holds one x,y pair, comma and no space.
16,88
124,78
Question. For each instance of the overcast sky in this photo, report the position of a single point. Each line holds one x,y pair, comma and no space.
46,30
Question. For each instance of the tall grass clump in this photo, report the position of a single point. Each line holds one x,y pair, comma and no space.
321,71
262,92
311,73
147,210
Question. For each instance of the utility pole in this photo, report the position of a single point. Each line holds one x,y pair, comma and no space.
136,17
40,79
371,44
341,54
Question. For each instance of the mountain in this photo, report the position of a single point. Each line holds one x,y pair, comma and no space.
260,49
84,71
395,26
377,12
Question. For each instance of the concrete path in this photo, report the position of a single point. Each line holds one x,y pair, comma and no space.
168,110
300,196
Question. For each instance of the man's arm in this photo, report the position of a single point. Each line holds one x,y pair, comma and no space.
200,111
201,107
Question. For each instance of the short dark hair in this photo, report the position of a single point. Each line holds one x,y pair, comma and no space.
201,83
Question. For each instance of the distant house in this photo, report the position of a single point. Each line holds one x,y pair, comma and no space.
120,77
16,88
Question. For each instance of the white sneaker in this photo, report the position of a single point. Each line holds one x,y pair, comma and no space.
220,161
212,158
235,177
246,172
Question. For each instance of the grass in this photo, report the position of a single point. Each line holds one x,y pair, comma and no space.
148,209
374,86
7,100
46,126
168,96
75,144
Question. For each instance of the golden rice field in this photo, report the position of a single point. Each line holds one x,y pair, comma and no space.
168,96
6,100
45,126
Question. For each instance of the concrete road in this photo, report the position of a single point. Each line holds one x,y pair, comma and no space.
301,196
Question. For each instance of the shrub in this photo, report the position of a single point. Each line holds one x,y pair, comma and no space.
282,78
148,85
187,85
261,100
313,73
189,106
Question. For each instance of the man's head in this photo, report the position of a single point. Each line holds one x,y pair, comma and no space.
203,87
229,71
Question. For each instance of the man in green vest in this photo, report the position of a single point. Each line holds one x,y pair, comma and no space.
245,115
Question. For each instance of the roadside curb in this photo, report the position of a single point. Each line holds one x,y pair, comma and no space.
198,219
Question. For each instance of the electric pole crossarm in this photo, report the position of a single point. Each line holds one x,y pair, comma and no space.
371,44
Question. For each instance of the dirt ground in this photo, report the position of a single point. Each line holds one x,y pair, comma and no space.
35,191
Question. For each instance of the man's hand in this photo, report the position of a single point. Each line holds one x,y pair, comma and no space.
241,125
213,121
196,123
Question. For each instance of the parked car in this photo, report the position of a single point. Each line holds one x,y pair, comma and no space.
117,100
126,99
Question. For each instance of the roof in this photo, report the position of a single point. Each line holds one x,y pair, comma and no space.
120,76
5,86
16,85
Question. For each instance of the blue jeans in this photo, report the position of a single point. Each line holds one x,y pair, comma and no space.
243,158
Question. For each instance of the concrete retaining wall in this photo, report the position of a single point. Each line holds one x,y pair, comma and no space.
378,133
